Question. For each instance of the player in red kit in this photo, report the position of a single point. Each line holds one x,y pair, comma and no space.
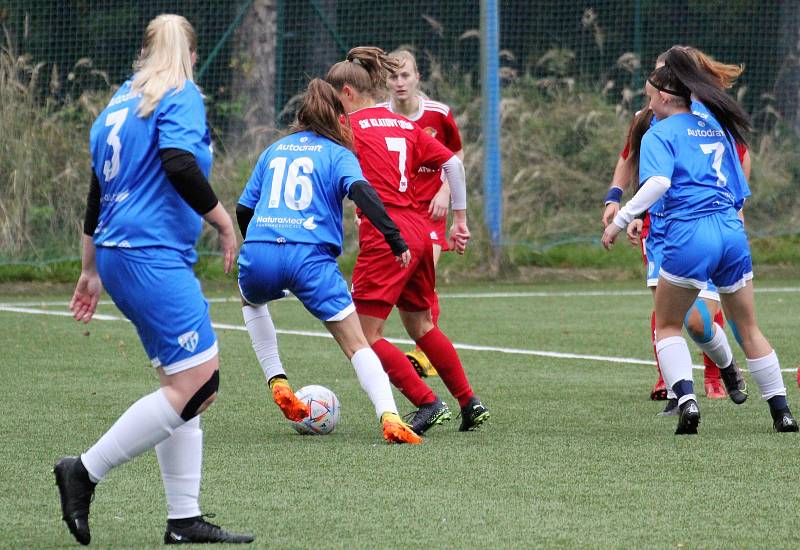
391,149
430,186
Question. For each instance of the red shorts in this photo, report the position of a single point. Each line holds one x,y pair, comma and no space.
438,228
379,282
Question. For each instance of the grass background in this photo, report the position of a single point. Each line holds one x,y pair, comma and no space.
572,456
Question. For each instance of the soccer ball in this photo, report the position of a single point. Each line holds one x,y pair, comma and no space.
324,407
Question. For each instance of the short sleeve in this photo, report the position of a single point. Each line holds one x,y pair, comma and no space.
656,158
429,152
452,135
181,119
252,191
346,170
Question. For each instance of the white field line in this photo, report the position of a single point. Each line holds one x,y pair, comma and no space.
317,334
450,296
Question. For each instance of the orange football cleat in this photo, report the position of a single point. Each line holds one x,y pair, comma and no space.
290,405
659,391
715,389
397,431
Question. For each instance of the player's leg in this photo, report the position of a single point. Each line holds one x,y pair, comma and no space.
762,361
703,323
171,317
675,360
372,377
418,359
651,253
261,280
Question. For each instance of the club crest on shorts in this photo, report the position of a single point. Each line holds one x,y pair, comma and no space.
189,340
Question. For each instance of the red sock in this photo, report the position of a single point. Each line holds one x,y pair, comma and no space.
401,374
435,309
719,319
653,340
444,359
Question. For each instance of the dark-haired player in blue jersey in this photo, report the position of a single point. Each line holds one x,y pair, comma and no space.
151,156
691,161
290,215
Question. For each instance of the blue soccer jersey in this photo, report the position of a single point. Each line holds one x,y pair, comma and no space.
699,159
296,191
139,206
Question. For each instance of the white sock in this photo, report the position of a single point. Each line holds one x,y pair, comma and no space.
671,393
264,339
180,458
374,380
676,363
767,373
718,349
144,425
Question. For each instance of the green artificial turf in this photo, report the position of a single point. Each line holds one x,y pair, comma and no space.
573,455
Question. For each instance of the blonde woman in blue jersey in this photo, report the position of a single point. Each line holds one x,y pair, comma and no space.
691,162
290,215
151,157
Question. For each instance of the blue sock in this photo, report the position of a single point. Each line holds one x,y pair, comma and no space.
683,387
777,403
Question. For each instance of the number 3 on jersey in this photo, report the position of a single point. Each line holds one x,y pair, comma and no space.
115,120
398,145
294,180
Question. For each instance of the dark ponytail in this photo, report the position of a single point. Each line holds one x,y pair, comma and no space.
321,111
679,67
639,127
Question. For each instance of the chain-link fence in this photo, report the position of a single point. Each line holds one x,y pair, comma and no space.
571,74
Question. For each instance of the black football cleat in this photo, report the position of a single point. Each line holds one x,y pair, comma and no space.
473,415
783,421
689,418
734,382
198,531
76,492
429,415
671,408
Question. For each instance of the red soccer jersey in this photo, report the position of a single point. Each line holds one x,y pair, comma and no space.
436,120
391,149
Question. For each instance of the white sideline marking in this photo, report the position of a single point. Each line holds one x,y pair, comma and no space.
317,334
454,295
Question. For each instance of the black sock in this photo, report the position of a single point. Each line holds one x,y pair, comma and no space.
183,522
83,473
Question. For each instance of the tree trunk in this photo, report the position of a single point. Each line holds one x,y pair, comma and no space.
254,76
787,83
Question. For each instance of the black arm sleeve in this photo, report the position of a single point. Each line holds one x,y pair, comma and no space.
243,217
92,215
370,204
188,179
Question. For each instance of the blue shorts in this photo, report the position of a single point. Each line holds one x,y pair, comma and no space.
308,271
157,290
654,252
713,247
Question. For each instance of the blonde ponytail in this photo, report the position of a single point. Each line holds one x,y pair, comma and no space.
165,61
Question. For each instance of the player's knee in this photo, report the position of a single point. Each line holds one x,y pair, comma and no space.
202,398
698,323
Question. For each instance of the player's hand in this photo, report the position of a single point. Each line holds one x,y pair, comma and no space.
404,259
228,244
438,207
634,232
609,235
86,295
357,219
459,236
610,211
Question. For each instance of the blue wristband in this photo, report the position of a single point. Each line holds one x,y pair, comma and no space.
614,195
